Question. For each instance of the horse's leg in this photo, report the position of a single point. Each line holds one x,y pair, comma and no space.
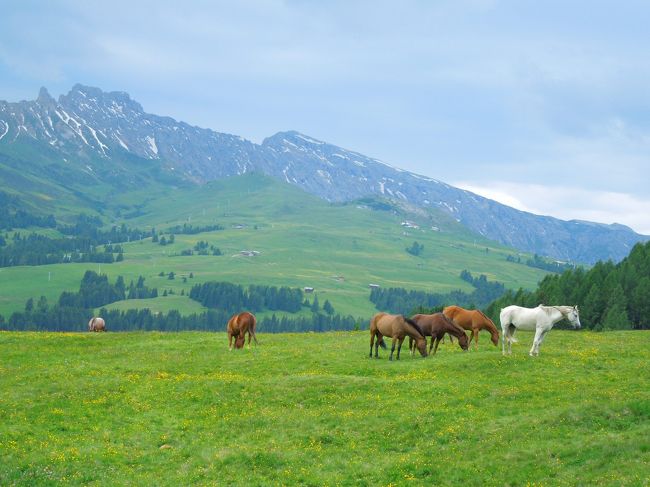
438,338
431,344
372,341
230,341
541,339
534,349
411,347
399,345
392,349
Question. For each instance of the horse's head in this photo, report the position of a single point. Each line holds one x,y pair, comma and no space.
463,341
239,341
574,317
495,338
421,343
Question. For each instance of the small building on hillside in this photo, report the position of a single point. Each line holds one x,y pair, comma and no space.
249,253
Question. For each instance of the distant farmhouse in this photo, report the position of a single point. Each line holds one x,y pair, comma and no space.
409,224
249,253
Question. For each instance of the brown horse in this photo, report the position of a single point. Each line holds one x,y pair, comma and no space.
473,320
435,326
238,326
96,324
397,327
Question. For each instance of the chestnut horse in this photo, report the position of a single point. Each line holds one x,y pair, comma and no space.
238,326
96,324
473,320
397,327
436,325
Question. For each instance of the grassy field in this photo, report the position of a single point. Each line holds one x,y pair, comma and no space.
337,249
313,409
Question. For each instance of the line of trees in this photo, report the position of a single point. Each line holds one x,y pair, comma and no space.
233,297
83,242
72,308
59,318
403,301
35,249
188,229
13,216
610,296
544,264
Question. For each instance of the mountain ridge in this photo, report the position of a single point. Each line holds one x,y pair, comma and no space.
109,134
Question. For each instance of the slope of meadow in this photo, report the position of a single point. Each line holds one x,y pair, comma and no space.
337,249
313,409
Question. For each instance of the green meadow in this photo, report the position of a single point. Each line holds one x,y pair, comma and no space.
338,249
313,409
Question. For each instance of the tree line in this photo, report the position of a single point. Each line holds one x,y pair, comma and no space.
406,302
234,298
36,249
542,263
75,319
13,216
73,309
610,296
69,312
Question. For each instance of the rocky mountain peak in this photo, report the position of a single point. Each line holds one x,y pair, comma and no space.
44,98
89,125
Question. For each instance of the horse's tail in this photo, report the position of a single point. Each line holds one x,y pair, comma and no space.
506,326
252,328
414,325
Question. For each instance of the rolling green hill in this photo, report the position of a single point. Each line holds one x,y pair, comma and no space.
338,249
313,409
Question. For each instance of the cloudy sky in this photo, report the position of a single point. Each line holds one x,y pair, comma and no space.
544,106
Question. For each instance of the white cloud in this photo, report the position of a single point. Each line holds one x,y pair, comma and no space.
568,203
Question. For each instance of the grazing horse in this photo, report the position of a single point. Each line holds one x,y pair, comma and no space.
540,320
238,326
397,327
436,325
96,324
473,320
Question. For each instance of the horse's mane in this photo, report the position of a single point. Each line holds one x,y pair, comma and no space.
414,325
453,325
561,309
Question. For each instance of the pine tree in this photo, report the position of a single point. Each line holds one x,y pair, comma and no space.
640,303
315,306
616,317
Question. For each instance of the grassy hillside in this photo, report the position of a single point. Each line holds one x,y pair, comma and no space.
312,409
303,241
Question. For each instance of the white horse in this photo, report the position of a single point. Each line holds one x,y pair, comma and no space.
540,320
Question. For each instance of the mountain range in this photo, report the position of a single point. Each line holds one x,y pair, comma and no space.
90,144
